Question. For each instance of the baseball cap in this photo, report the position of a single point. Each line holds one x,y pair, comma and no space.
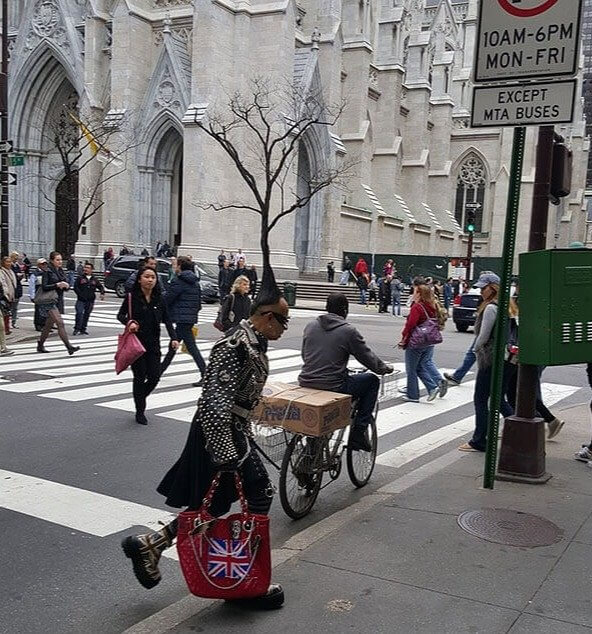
487,277
41,261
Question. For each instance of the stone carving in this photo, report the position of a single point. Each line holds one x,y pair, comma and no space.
184,33
461,123
46,23
472,172
166,94
166,4
46,17
373,78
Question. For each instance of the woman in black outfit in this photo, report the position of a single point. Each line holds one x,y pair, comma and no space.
50,312
148,311
237,305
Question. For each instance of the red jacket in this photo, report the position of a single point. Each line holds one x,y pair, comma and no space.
416,316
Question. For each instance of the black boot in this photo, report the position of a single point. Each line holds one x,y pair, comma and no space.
40,347
271,600
73,349
358,439
145,552
141,418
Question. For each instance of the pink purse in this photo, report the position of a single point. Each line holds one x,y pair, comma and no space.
129,347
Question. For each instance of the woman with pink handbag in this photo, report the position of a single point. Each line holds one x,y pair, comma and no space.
142,313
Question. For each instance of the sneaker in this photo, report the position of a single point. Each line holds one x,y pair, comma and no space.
84,332
555,427
442,388
450,378
403,391
432,395
407,399
584,454
358,439
74,333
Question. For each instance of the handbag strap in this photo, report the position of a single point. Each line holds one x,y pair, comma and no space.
129,307
207,501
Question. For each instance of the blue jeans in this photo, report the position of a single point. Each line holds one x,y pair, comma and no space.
363,299
431,367
467,364
396,300
185,335
363,387
481,401
71,278
419,364
83,310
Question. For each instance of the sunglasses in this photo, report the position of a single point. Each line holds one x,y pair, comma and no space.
282,320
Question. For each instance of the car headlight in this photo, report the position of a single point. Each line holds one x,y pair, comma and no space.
209,286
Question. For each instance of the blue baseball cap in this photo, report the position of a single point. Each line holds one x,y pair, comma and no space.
486,278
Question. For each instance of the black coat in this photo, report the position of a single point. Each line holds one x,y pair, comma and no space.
238,304
49,280
183,298
149,316
225,277
86,289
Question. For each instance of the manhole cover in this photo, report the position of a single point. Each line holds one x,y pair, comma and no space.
512,528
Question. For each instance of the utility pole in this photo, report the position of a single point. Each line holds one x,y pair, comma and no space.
4,133
522,455
469,257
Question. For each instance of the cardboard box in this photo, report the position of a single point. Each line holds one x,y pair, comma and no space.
302,410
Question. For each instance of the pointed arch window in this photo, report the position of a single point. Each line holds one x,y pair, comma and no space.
470,190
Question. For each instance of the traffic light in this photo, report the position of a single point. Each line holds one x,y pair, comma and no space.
561,173
471,220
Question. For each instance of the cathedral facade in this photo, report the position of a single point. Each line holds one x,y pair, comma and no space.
145,69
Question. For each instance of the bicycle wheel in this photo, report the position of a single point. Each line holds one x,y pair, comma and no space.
360,464
301,475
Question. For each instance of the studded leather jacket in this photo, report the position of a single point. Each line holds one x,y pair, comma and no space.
232,386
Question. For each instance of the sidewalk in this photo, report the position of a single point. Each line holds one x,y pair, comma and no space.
399,562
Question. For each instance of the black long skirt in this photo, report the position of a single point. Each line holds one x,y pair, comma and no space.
188,481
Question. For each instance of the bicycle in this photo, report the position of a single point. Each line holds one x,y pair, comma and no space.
307,458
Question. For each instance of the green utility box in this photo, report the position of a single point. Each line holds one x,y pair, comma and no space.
555,307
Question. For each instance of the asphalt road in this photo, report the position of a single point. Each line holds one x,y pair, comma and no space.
77,473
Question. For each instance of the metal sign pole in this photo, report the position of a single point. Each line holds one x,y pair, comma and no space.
4,133
501,323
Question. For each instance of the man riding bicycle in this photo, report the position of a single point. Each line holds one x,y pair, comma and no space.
327,344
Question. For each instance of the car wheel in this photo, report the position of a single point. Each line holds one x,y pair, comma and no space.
462,327
120,288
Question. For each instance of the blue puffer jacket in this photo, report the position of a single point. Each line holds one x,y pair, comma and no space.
183,298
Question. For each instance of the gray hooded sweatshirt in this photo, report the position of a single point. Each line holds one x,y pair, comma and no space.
327,344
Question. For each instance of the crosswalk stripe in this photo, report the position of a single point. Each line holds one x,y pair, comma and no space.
79,509
411,413
405,453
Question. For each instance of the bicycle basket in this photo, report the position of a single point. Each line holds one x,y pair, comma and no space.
389,388
272,440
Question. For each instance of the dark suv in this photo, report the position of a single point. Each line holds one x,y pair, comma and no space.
124,265
465,314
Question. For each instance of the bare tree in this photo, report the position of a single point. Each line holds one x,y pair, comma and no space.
82,146
260,130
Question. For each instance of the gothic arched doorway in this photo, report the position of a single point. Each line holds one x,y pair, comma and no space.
302,219
167,189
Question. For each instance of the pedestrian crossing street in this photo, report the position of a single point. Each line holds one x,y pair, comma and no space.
89,377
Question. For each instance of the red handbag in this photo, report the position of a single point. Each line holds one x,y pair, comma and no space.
129,347
228,557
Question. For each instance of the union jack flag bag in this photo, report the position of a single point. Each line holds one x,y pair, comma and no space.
227,557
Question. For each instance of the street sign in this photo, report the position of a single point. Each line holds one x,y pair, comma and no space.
523,104
6,147
12,179
527,39
16,160
473,205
